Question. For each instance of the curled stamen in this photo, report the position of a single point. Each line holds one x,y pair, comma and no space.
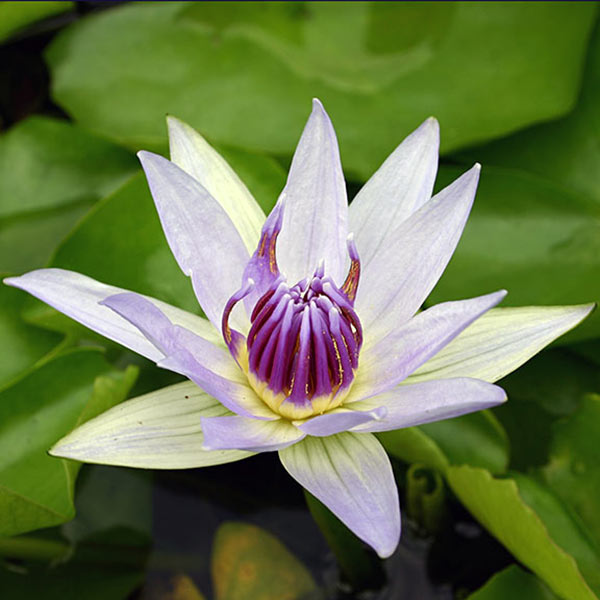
351,284
233,338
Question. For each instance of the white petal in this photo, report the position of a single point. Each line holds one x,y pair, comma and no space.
202,237
387,361
410,405
78,297
400,277
402,184
501,341
191,152
351,474
316,207
160,430
241,433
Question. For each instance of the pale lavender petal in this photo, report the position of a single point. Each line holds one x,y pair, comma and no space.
419,403
402,184
400,277
387,361
241,433
202,237
78,297
191,356
352,475
341,419
316,207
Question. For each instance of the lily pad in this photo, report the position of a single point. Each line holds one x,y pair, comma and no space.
573,472
249,563
51,172
531,237
244,77
23,344
533,525
565,151
514,582
36,490
546,388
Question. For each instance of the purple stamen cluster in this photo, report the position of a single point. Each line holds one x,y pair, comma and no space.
304,340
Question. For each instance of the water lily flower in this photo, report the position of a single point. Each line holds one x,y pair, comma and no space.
314,339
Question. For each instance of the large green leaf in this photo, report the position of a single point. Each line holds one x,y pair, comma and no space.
573,472
244,74
533,525
566,151
515,583
50,173
36,490
47,162
527,235
547,387
23,345
248,563
16,15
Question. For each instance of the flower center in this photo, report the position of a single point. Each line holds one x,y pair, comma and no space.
303,347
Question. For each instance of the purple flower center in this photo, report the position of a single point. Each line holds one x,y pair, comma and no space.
304,341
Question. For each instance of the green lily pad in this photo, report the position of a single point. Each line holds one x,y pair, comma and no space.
513,582
47,162
573,472
249,563
36,490
527,235
533,525
244,77
546,388
565,151
23,344
14,16
51,172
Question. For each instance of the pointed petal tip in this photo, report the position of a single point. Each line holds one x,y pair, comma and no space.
583,311
386,551
501,294
145,157
432,125
319,110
